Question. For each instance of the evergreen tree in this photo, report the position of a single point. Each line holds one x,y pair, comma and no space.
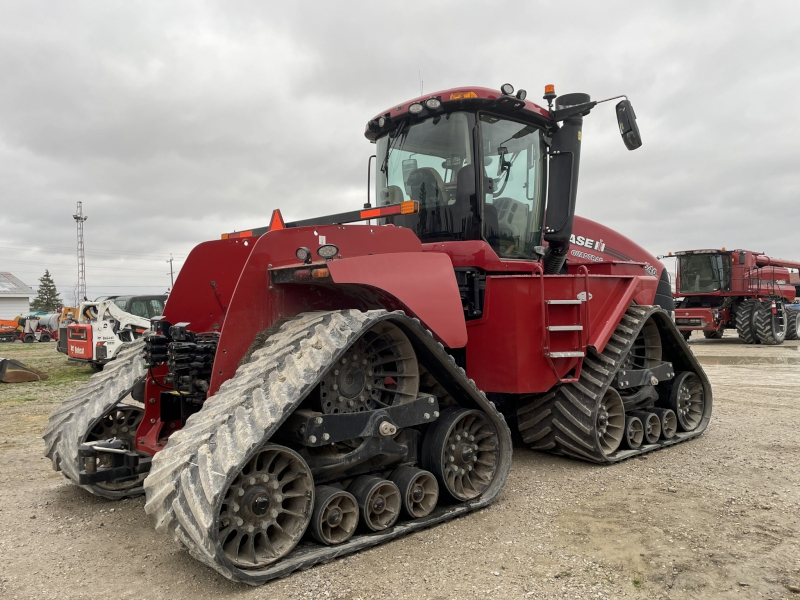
47,298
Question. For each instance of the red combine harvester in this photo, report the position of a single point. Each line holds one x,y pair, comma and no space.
747,290
315,388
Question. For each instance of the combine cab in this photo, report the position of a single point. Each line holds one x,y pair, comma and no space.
317,387
739,289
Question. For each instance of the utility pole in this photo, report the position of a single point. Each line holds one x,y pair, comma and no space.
171,277
79,219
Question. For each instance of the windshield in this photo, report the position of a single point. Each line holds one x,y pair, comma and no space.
704,273
513,186
425,163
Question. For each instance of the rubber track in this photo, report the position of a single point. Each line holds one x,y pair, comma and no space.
563,420
76,417
191,474
744,322
791,323
762,322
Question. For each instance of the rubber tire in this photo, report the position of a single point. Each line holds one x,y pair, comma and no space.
744,322
766,325
28,338
44,338
792,324
714,335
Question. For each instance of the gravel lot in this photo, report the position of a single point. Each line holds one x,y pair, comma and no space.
717,517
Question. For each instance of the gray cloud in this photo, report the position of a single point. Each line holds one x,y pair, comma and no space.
176,121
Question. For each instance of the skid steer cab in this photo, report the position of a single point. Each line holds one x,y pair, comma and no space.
101,331
320,385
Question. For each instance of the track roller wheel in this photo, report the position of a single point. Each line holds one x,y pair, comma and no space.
792,324
669,422
461,451
266,509
379,501
418,490
121,423
634,432
687,400
610,421
652,425
335,515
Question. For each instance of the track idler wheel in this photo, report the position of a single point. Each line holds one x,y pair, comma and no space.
266,509
634,432
669,422
418,490
379,501
652,425
687,400
335,515
460,449
610,421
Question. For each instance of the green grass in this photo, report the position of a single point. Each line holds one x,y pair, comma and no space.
68,373
637,582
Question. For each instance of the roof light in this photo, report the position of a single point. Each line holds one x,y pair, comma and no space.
415,108
522,94
303,254
433,103
381,122
507,89
320,273
302,274
462,95
327,251
549,92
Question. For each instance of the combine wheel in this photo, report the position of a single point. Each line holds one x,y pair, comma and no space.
669,422
610,421
687,400
770,326
379,501
461,451
792,324
714,335
745,314
266,508
634,432
418,489
335,515
652,425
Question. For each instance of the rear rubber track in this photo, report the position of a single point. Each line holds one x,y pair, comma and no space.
563,420
70,423
189,477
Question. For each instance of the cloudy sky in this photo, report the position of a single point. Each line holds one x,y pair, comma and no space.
175,121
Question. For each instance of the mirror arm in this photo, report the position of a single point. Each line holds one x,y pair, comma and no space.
571,111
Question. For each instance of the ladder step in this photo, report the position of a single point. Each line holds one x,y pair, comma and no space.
563,301
565,327
576,354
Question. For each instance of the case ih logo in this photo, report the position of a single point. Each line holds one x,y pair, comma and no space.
76,350
579,240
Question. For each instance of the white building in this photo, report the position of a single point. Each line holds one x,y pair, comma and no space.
15,297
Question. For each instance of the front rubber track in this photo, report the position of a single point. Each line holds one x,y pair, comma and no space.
71,422
189,477
563,421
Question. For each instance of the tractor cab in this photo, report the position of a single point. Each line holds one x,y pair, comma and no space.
441,161
478,163
703,272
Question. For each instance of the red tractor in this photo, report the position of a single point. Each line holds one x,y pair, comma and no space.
723,289
317,387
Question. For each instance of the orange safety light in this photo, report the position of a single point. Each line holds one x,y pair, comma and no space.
462,95
409,207
549,89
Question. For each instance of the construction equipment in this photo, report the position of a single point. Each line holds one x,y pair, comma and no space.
316,387
102,329
26,329
739,289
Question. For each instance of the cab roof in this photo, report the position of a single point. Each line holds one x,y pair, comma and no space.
456,99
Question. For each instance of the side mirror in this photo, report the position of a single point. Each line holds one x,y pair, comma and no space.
627,125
